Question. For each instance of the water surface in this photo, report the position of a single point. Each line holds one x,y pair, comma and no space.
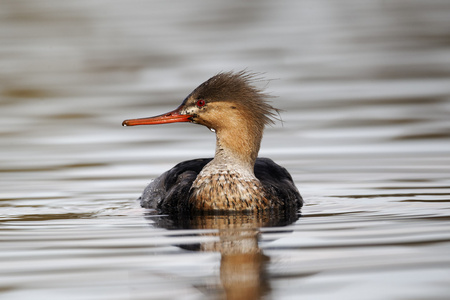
365,89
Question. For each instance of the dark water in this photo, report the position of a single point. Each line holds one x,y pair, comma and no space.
365,89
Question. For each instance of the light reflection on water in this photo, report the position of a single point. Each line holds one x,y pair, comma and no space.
366,93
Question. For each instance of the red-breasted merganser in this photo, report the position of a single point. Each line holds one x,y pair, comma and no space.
235,179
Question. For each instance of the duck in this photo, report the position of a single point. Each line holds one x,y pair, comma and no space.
235,179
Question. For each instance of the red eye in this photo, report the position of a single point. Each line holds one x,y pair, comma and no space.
201,103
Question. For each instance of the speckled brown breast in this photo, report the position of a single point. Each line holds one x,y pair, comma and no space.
228,191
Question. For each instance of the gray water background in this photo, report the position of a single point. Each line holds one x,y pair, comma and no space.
365,89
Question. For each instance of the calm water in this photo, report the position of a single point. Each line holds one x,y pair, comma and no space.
365,89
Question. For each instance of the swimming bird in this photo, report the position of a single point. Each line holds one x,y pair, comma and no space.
235,180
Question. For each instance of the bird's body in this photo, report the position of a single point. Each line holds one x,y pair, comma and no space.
172,190
235,179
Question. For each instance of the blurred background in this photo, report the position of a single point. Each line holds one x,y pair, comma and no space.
365,93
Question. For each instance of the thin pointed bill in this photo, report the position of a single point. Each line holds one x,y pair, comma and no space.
170,117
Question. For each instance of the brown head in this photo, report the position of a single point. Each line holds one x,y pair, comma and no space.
228,104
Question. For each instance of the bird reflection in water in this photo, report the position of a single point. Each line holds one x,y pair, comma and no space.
243,263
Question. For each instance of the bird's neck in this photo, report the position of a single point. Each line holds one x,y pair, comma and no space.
238,146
